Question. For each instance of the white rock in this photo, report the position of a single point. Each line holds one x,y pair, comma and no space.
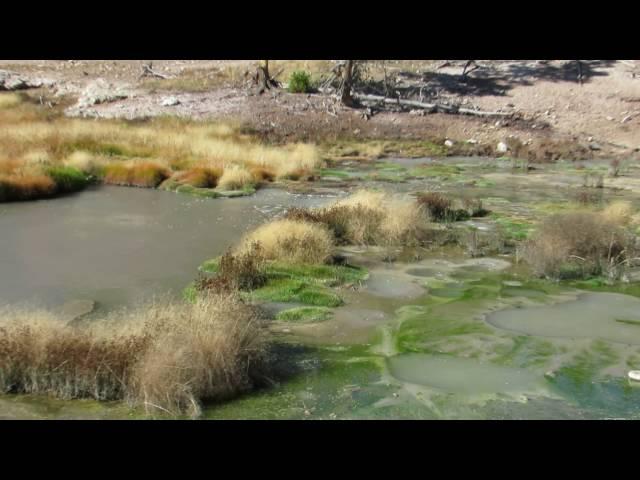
99,91
627,118
609,118
472,141
634,375
170,102
502,147
448,143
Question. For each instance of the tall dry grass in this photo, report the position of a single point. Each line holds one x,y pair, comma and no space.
236,178
580,244
290,241
32,136
167,357
370,218
136,174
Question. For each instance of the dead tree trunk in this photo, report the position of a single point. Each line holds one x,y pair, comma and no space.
263,79
347,83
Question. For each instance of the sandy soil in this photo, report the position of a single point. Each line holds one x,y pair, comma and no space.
603,111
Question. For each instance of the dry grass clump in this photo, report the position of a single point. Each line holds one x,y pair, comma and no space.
9,100
379,218
438,206
579,244
211,350
244,270
236,178
369,218
291,241
86,162
168,357
201,177
619,212
142,174
262,174
25,187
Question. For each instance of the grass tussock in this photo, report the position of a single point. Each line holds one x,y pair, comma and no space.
291,241
370,218
168,357
142,174
619,212
579,245
200,177
244,270
236,178
443,209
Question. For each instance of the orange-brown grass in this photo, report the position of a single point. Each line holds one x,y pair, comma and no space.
201,177
167,357
25,187
112,149
262,174
143,174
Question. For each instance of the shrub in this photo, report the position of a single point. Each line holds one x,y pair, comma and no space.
167,357
578,244
241,271
618,212
235,178
438,206
291,241
25,187
587,197
300,82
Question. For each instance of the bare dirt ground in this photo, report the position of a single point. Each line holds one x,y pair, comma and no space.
602,114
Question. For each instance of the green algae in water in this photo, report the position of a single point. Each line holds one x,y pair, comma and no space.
329,384
305,314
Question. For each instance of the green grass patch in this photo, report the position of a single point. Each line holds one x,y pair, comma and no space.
67,179
298,291
513,229
305,314
301,283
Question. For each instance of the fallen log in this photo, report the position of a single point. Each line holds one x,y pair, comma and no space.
148,71
432,107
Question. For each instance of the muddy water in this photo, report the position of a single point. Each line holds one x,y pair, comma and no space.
117,246
609,316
